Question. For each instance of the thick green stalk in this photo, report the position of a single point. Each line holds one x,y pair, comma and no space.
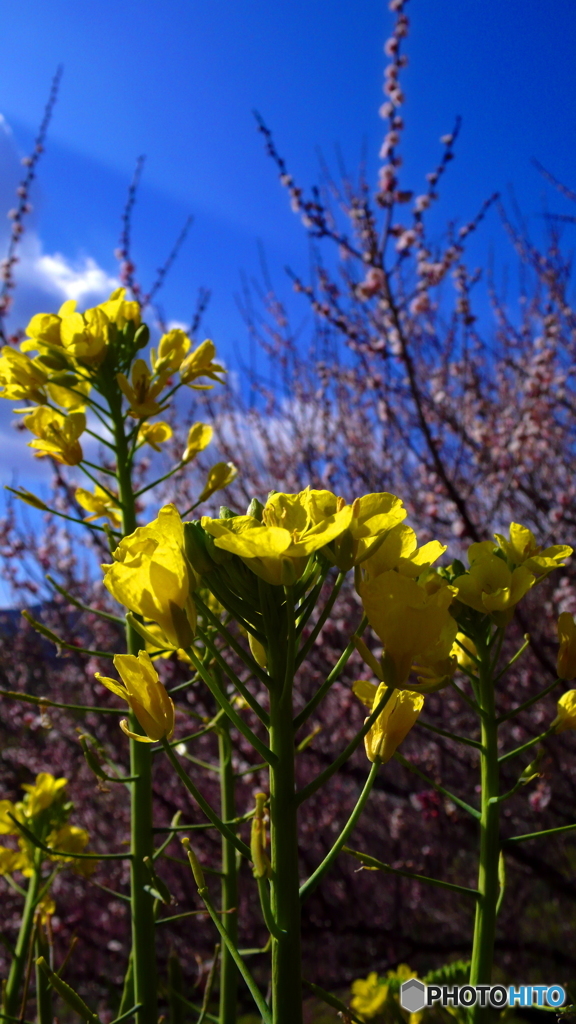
44,1010
141,834
12,993
330,857
284,883
228,971
488,887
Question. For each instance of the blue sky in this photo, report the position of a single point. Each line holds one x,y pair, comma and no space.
178,81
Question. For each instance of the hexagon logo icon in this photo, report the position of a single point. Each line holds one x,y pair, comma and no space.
413,995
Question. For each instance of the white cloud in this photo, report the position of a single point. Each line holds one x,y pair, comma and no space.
73,282
43,280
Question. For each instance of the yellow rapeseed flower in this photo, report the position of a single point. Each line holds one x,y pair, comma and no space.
99,503
200,363
143,390
413,622
566,708
490,586
42,793
152,577
70,839
155,434
567,653
220,475
464,650
119,310
172,349
145,694
199,437
68,390
84,336
393,723
12,860
57,434
368,996
293,527
43,329
373,518
21,378
521,549
399,550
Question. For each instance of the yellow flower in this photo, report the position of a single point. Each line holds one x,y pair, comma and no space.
200,364
373,517
199,437
490,586
142,393
68,390
21,378
400,551
151,576
462,650
412,621
567,653
155,434
58,434
7,826
42,793
119,310
293,527
393,723
99,503
70,839
43,329
145,694
221,475
434,673
84,336
521,549
566,708
368,996
172,349
45,909
12,860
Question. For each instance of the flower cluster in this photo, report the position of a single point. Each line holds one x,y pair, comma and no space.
43,813
68,355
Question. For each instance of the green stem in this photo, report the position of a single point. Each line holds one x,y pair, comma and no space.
225,704
537,835
11,1005
449,735
314,879
231,641
329,681
527,703
250,983
284,883
328,772
439,789
142,837
223,829
43,702
373,863
243,690
229,886
85,607
159,480
488,885
307,647
526,746
43,989
513,659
